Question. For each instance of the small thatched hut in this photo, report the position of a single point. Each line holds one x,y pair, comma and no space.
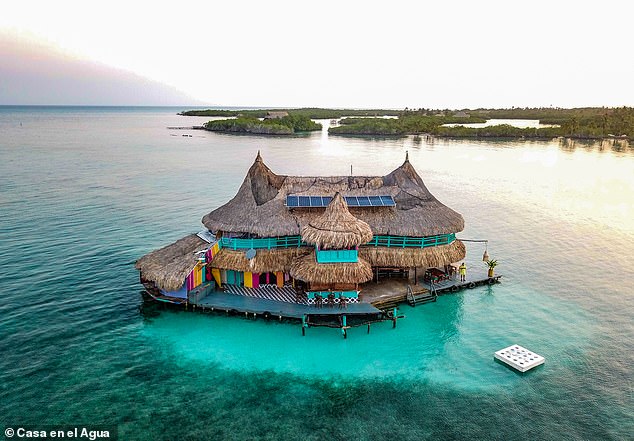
336,227
318,233
335,264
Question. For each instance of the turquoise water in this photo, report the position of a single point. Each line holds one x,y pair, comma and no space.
85,192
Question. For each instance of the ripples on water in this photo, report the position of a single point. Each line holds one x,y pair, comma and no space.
86,192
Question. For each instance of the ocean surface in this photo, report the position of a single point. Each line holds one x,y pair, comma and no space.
84,192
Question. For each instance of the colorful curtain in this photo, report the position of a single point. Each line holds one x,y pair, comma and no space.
215,272
280,279
248,279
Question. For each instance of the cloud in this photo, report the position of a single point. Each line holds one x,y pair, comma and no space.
33,73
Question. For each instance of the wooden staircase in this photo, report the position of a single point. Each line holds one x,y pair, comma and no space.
421,296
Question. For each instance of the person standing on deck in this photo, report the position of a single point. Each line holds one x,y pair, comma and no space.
463,272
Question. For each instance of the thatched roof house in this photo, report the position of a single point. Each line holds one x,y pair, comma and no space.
275,114
167,267
259,206
259,236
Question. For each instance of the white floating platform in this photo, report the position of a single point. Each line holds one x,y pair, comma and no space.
519,358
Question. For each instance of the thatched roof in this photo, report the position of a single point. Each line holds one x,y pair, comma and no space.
411,257
308,270
258,207
169,266
265,261
336,228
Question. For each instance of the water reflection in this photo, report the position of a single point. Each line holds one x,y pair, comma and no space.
604,145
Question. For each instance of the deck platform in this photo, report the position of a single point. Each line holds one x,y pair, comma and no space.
389,293
223,301
455,285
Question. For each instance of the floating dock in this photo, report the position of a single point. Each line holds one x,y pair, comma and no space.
519,358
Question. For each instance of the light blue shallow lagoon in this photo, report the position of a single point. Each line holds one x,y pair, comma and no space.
84,192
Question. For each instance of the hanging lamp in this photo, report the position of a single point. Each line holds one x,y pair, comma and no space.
485,256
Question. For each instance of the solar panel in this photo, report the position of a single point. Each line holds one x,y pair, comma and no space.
375,201
352,201
388,201
364,201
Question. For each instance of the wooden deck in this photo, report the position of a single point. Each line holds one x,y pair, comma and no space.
390,293
453,286
223,301
378,302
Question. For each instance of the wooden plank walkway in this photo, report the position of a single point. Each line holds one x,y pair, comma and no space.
450,286
224,301
398,294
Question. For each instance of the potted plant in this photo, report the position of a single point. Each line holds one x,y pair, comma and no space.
491,264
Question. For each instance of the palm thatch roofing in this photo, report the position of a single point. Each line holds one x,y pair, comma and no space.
336,228
308,270
168,267
265,261
414,257
259,206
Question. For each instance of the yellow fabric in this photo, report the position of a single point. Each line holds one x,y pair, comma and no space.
215,272
463,270
280,279
248,279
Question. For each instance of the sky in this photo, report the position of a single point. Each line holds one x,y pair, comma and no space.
363,54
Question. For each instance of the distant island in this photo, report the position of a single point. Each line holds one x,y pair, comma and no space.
278,125
310,112
579,123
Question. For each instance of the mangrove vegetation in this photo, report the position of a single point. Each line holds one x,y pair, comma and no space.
587,123
287,125
580,123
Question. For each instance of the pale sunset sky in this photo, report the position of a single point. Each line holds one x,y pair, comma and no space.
389,54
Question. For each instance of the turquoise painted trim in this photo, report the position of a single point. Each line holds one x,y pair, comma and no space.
377,241
337,256
338,294
411,242
266,243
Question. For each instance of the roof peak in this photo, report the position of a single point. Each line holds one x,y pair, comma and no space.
336,227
